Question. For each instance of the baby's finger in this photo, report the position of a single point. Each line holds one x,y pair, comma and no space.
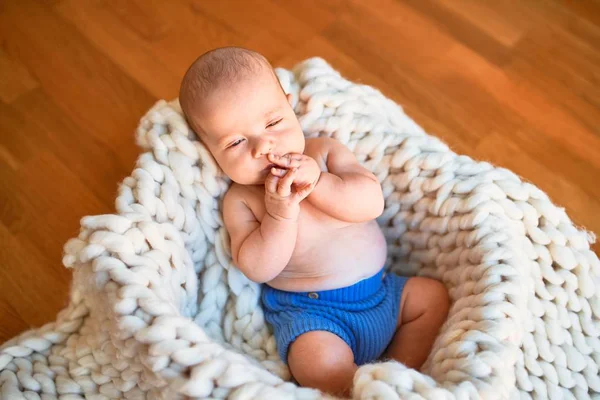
284,188
288,160
271,183
278,171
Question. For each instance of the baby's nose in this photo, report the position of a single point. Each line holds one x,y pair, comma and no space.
263,147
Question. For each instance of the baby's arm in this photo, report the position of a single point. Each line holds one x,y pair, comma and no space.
261,250
348,191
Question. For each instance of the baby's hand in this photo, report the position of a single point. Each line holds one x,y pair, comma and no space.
281,201
308,173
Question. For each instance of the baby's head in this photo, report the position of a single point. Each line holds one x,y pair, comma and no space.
233,101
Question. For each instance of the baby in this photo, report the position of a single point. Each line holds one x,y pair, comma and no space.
301,218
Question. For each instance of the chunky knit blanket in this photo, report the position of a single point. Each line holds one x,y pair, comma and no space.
158,310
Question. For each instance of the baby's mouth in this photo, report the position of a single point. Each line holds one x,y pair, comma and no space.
268,167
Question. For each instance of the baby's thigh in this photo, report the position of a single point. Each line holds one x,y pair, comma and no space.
421,295
315,352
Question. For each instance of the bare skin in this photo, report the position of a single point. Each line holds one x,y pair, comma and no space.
301,217
318,236
328,254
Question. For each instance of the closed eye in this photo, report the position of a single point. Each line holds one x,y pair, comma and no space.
274,123
236,143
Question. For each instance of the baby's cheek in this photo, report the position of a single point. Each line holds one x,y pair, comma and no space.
297,142
226,168
243,175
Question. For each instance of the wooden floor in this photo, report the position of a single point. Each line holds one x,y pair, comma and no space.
513,82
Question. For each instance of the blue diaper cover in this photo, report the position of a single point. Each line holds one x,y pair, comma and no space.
364,315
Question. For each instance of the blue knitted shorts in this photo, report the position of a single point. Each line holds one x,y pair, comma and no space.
364,315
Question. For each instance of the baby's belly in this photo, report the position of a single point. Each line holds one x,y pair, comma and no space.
332,260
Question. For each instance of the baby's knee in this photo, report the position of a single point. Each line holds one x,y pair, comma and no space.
427,295
322,360
440,298
319,350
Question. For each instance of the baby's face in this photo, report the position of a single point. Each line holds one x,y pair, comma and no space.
241,126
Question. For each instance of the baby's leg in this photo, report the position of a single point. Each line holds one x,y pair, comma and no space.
322,360
423,309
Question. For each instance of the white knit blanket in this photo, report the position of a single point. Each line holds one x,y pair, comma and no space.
158,310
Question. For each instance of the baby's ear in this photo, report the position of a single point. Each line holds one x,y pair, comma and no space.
289,98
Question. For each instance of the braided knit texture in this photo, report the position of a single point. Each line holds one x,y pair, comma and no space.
157,309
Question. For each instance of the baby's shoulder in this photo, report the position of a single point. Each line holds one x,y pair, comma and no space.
318,144
245,194
236,192
243,203
318,148
322,145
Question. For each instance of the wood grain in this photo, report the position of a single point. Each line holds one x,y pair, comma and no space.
512,82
